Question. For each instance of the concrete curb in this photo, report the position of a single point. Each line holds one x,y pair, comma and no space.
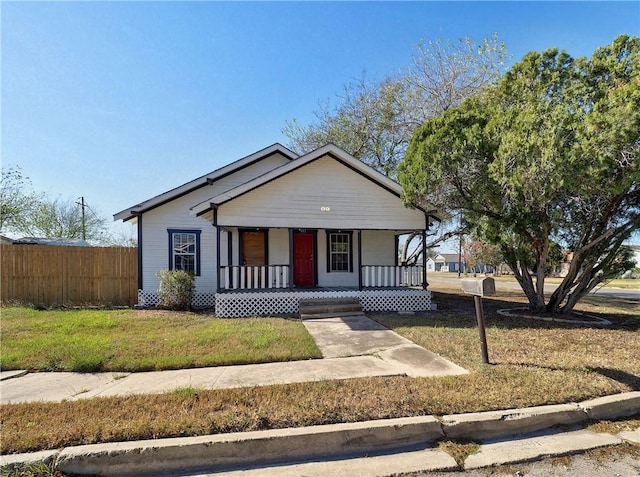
487,425
226,451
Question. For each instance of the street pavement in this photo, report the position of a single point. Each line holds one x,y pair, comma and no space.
609,292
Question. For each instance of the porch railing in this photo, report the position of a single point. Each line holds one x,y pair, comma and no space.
391,276
244,277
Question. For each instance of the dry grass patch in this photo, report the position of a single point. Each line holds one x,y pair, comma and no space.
615,427
459,450
603,455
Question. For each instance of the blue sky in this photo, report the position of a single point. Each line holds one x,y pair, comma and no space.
120,101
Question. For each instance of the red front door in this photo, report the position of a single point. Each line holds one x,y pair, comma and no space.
303,273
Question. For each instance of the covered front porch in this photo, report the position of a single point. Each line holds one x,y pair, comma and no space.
279,258
267,271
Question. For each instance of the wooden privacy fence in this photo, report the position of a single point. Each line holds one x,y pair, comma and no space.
53,275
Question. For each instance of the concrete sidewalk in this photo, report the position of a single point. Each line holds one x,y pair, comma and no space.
353,347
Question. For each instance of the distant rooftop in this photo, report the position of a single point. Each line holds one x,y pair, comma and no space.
65,242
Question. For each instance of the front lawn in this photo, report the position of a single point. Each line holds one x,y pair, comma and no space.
144,340
534,363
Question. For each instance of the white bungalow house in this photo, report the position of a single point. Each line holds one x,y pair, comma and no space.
273,227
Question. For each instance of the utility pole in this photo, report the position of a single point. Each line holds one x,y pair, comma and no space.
460,253
84,222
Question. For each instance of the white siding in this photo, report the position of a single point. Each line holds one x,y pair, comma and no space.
278,246
378,247
322,194
155,243
176,215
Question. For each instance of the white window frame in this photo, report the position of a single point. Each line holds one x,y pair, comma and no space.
177,235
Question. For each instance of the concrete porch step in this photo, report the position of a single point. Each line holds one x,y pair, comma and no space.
330,301
314,316
328,307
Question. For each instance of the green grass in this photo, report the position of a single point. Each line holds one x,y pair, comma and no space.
139,340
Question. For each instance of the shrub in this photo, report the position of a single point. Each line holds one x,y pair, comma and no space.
176,289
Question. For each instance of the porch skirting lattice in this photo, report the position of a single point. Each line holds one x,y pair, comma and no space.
285,302
148,299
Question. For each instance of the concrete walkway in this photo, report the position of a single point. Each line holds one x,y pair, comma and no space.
353,347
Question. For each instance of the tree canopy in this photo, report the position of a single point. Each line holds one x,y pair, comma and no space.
374,121
549,154
17,199
25,212
56,218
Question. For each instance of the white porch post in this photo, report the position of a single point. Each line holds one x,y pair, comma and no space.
290,259
424,252
359,259
215,224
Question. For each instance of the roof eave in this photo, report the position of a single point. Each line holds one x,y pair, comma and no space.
207,179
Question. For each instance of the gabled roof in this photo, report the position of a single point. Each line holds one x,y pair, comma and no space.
131,212
330,150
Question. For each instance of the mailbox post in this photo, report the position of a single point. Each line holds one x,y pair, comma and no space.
479,287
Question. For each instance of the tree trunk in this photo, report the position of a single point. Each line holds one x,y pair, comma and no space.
521,273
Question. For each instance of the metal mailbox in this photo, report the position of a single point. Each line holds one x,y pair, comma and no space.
479,286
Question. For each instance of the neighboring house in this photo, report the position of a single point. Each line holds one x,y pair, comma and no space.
272,227
431,264
5,240
447,262
450,262
61,242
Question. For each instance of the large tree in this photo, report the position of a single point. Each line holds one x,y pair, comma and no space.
17,199
550,154
57,218
374,121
